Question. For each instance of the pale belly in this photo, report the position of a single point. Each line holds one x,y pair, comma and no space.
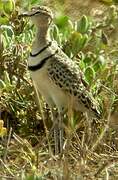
53,94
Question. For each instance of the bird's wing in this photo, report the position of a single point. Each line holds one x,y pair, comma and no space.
67,75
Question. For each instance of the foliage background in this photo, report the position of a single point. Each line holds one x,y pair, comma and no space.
87,32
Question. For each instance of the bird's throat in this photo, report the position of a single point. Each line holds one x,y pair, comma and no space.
41,39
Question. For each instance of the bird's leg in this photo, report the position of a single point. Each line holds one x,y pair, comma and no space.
56,131
56,138
61,130
88,129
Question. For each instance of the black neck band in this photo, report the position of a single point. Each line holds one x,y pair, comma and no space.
41,64
34,55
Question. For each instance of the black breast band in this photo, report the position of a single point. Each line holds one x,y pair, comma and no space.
34,55
41,64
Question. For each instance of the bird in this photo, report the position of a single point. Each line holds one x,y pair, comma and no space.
57,77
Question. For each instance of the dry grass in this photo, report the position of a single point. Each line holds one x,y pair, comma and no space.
84,157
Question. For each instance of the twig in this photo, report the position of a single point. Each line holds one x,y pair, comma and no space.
42,114
107,174
106,165
8,142
7,168
109,90
6,177
103,132
95,145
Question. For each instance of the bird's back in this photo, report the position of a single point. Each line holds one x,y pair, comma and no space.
67,76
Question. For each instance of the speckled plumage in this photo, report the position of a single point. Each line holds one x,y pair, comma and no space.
58,69
57,77
67,75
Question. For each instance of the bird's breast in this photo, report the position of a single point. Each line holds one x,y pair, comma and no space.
53,94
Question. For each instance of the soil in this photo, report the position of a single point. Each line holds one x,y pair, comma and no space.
76,8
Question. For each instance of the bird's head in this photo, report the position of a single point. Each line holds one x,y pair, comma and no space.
40,16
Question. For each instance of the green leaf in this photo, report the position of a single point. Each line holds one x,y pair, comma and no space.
87,60
61,21
73,122
35,1
97,66
6,39
83,25
78,42
100,64
6,78
75,40
83,41
70,24
4,20
2,84
1,6
109,2
89,74
82,65
33,177
8,6
9,30
55,32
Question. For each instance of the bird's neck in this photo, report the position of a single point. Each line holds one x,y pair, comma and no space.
41,38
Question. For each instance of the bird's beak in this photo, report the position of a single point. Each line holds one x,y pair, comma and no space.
26,14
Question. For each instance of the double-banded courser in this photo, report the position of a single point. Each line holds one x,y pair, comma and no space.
58,79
